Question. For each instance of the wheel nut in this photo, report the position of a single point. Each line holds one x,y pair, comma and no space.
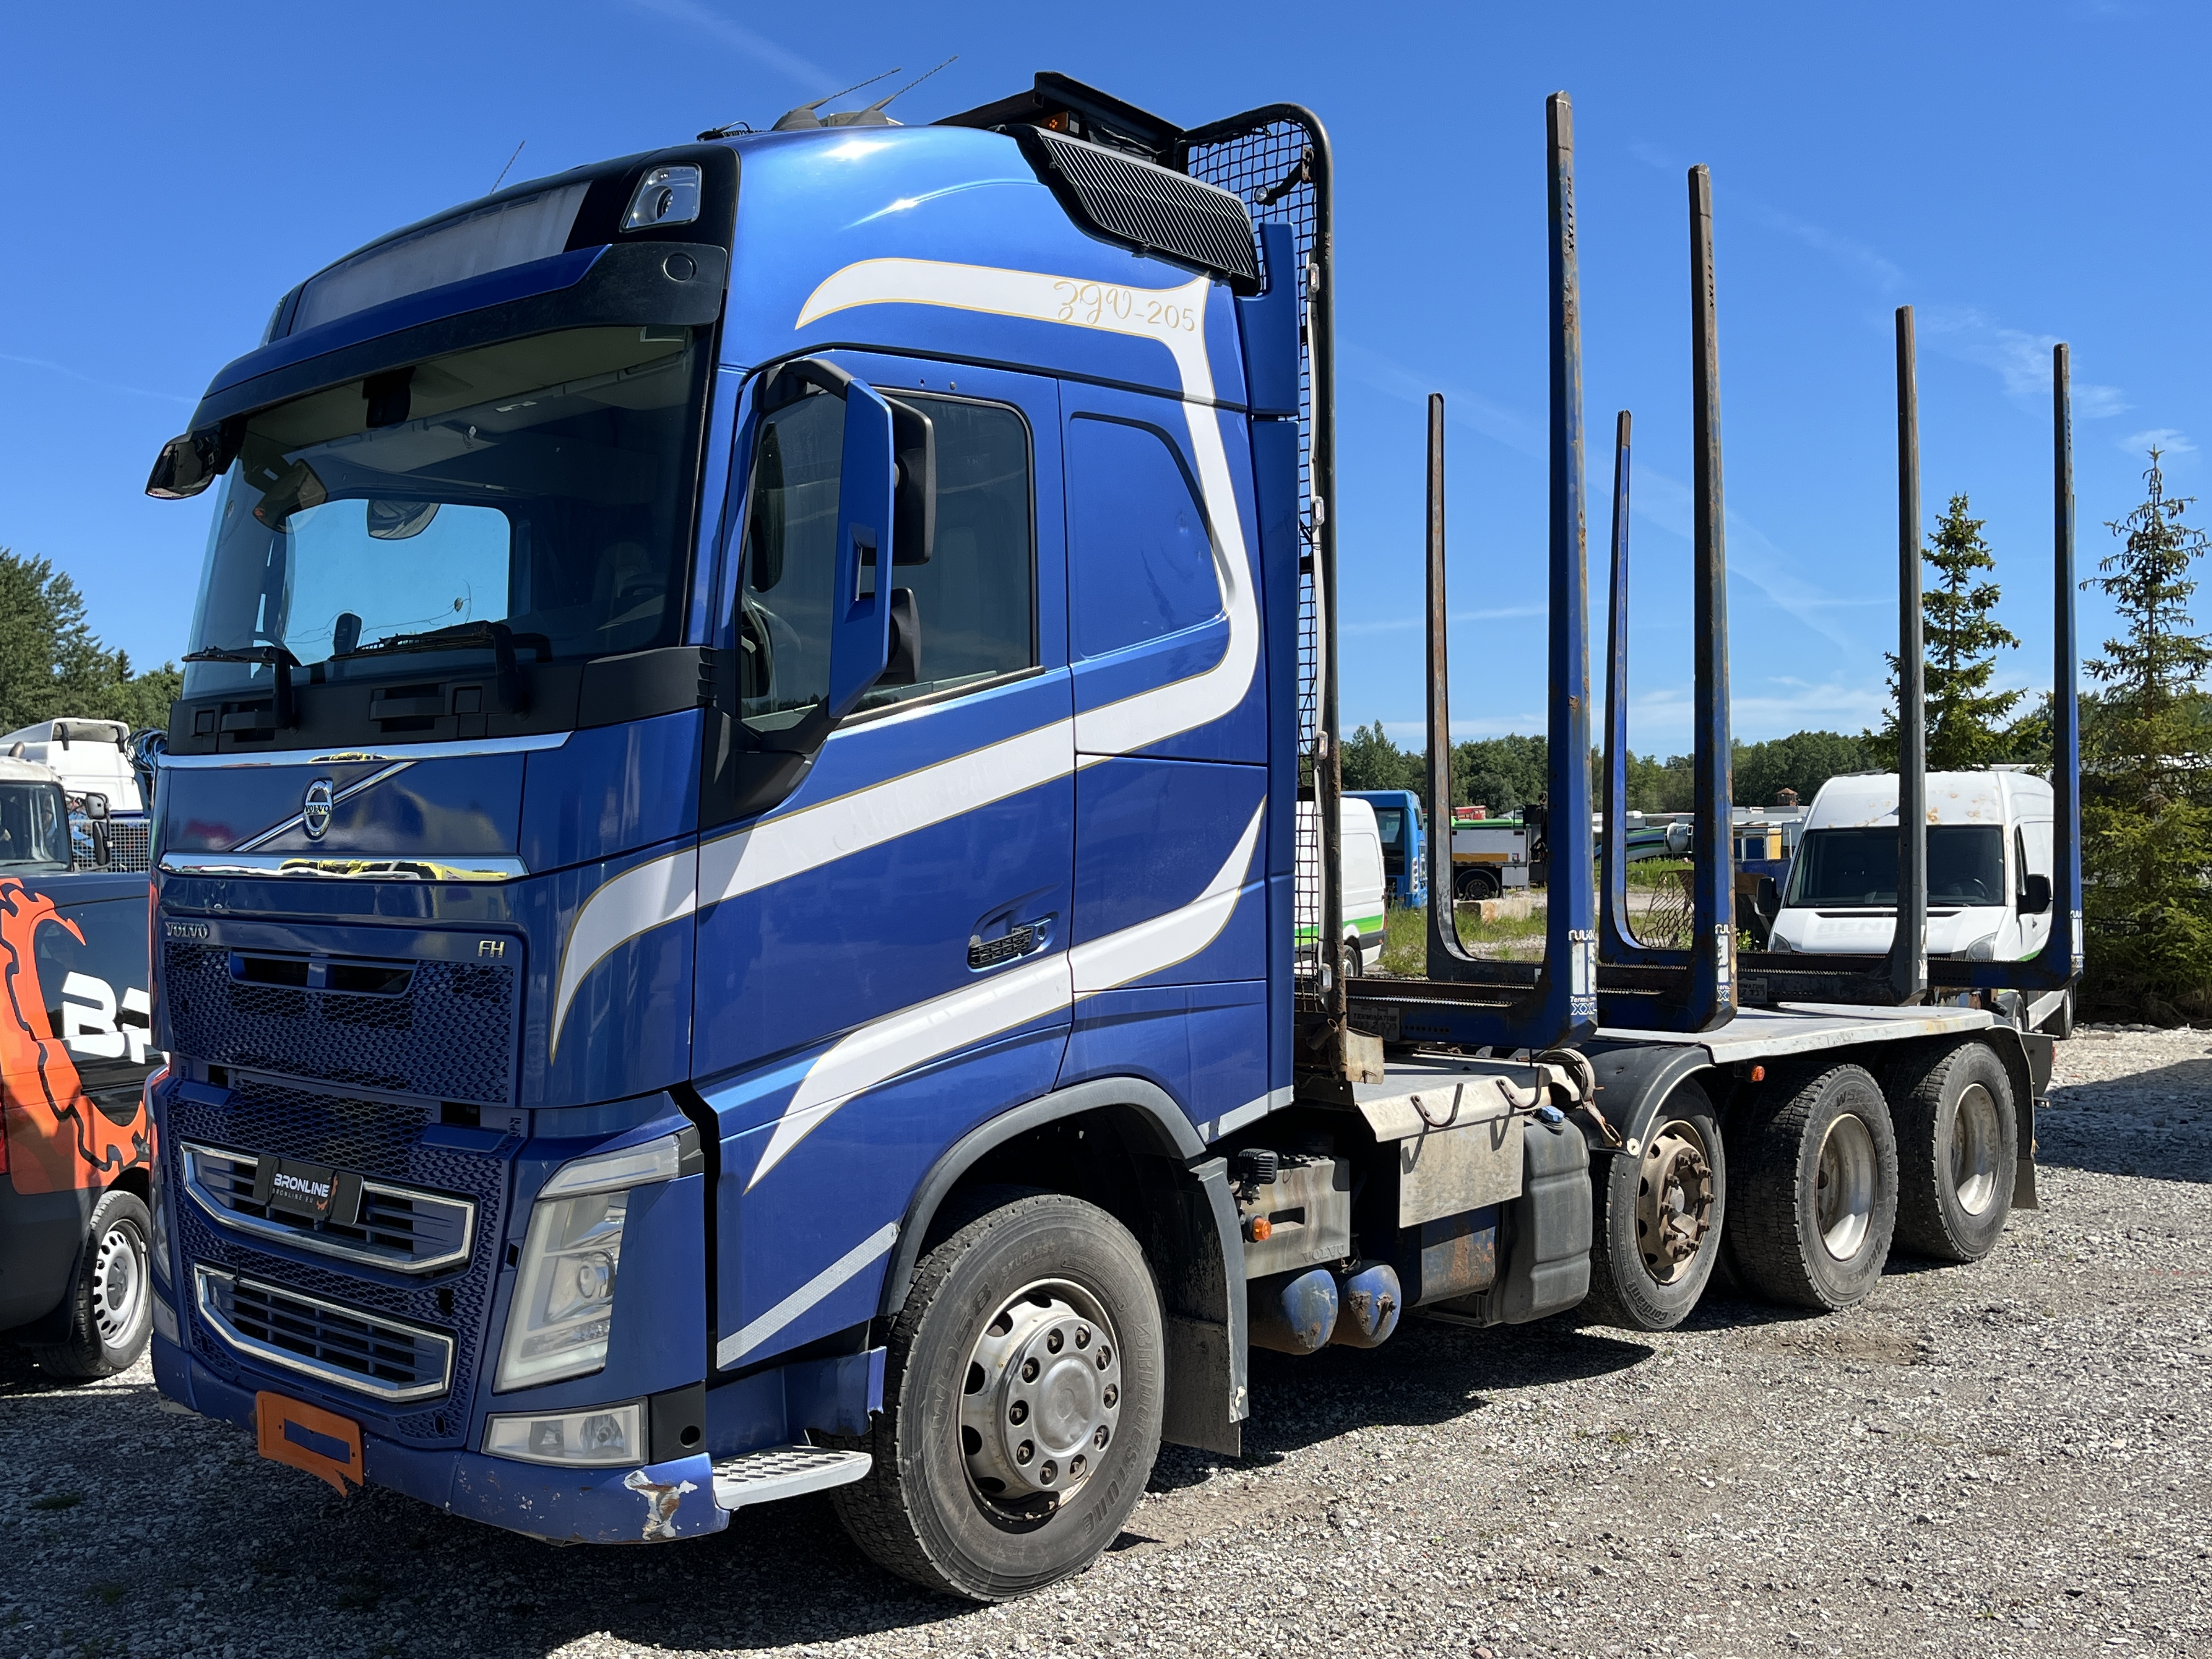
1098,1435
1083,1336
1105,1356
1025,1451
1047,1473
1018,1412
1075,1467
1112,1396
1054,1342
1028,1370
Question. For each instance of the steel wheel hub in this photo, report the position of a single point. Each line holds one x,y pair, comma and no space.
1844,1197
1974,1149
1042,1396
119,1284
1673,1201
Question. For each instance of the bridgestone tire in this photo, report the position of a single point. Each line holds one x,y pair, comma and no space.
917,1512
1626,1289
111,1304
1806,1235
1958,1139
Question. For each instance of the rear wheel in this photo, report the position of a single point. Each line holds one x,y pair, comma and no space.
1659,1210
1957,1140
110,1307
1476,883
1816,1192
1022,1403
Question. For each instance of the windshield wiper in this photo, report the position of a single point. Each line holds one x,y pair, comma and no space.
275,656
461,636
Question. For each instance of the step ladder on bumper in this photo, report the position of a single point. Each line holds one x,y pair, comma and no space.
773,1472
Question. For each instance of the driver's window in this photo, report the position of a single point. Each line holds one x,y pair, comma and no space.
785,604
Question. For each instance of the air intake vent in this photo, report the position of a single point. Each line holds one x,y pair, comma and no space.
1148,207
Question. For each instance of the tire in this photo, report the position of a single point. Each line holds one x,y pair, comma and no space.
1355,957
111,1306
1659,1215
1816,1192
2059,1023
972,1322
1471,885
1958,1139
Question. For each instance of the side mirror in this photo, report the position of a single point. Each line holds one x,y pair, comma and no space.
913,437
905,665
2035,895
95,808
1767,899
867,488
95,818
189,464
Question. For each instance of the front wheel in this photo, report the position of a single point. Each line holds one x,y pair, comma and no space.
111,1306
1659,1207
1022,1400
1477,884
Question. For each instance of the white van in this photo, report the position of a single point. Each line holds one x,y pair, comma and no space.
1989,840
88,757
1362,841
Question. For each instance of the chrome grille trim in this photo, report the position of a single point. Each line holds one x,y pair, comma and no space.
346,1250
337,1376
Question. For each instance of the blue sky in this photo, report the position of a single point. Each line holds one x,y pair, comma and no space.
2019,173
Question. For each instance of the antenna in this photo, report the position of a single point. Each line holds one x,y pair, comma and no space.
803,118
873,116
504,171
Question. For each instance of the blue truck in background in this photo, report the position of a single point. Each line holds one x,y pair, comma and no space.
1399,821
729,870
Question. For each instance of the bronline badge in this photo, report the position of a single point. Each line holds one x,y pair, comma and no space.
315,809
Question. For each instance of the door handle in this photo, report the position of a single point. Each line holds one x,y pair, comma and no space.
1017,942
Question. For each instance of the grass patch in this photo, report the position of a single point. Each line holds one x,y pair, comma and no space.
110,1593
1657,872
1405,938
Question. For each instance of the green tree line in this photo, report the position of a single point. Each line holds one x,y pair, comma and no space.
1504,774
51,664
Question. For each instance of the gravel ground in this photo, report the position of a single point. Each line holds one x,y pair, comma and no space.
2005,1459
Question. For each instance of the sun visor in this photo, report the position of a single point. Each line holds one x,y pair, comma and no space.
491,238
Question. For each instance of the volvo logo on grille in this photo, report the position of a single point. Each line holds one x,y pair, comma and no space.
315,809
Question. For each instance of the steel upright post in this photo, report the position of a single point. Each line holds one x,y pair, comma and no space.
1712,987
1908,949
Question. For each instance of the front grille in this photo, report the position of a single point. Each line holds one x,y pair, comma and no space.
403,1229
347,1347
128,843
448,1035
383,1141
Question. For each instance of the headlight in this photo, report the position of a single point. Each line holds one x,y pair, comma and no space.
564,1294
1776,942
604,1437
1983,950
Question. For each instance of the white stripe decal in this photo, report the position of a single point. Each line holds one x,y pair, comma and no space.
731,1349
791,843
898,1042
640,898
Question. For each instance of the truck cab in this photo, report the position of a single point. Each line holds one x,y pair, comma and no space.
1988,867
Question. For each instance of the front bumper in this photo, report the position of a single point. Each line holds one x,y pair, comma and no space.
655,1504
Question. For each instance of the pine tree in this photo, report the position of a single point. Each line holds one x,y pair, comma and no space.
2146,786
1966,722
52,664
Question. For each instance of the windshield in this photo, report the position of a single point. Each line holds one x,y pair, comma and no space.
33,828
544,484
1965,865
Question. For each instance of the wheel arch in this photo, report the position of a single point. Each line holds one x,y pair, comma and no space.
1150,1171
1634,1081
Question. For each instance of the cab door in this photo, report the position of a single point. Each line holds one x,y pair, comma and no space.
882,955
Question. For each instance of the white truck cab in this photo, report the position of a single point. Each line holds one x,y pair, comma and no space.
1989,839
87,756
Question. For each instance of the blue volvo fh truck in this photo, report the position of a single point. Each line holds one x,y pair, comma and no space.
733,914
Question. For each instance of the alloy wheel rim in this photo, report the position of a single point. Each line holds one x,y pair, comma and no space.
1843,1193
119,1284
1974,1149
1041,1398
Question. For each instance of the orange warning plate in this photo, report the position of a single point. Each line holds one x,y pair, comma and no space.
324,1444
